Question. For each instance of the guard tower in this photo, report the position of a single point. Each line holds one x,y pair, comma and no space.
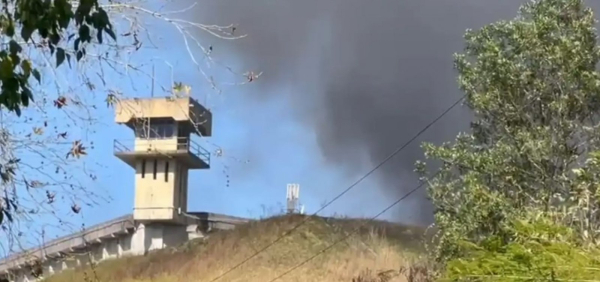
162,153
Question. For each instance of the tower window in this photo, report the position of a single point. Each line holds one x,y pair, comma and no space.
166,171
162,128
143,168
141,128
155,168
155,128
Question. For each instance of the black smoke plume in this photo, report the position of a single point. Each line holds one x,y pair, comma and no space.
365,75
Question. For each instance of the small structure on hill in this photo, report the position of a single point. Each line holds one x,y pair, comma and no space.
292,197
161,154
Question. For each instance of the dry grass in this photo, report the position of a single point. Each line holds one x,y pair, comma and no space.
363,257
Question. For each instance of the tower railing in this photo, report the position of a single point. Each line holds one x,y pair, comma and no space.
194,148
179,144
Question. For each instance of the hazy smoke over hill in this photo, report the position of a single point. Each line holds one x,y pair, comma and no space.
365,75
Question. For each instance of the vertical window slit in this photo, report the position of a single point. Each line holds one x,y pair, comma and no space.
155,168
143,168
166,171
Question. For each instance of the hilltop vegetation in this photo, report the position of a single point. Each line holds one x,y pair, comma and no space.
377,247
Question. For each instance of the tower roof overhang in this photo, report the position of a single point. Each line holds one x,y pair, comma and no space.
185,111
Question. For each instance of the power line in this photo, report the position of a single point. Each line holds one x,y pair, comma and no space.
398,150
322,251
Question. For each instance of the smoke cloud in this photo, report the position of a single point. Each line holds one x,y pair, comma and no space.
365,75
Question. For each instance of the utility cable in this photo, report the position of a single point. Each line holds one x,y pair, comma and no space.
324,250
398,150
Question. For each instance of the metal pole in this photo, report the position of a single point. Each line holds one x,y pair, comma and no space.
152,91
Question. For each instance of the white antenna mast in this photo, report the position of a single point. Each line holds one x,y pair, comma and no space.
293,193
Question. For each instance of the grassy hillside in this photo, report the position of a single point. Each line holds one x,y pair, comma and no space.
379,246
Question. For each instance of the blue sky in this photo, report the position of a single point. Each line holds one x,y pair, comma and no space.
264,149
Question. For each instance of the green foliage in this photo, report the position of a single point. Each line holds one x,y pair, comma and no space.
534,91
21,20
540,251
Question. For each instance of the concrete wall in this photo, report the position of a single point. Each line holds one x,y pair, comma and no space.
146,238
156,199
154,236
160,144
116,238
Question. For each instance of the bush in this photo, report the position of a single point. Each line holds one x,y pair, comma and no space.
539,250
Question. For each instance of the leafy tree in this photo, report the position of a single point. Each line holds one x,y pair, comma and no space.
21,20
534,91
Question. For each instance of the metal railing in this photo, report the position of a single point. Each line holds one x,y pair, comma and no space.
197,150
63,244
162,144
119,147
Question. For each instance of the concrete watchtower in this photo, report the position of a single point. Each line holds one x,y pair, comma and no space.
162,153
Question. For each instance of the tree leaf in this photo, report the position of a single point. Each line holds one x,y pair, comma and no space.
69,60
26,32
37,75
111,33
60,56
25,95
43,32
14,47
76,44
54,38
103,17
6,68
26,66
84,33
10,29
